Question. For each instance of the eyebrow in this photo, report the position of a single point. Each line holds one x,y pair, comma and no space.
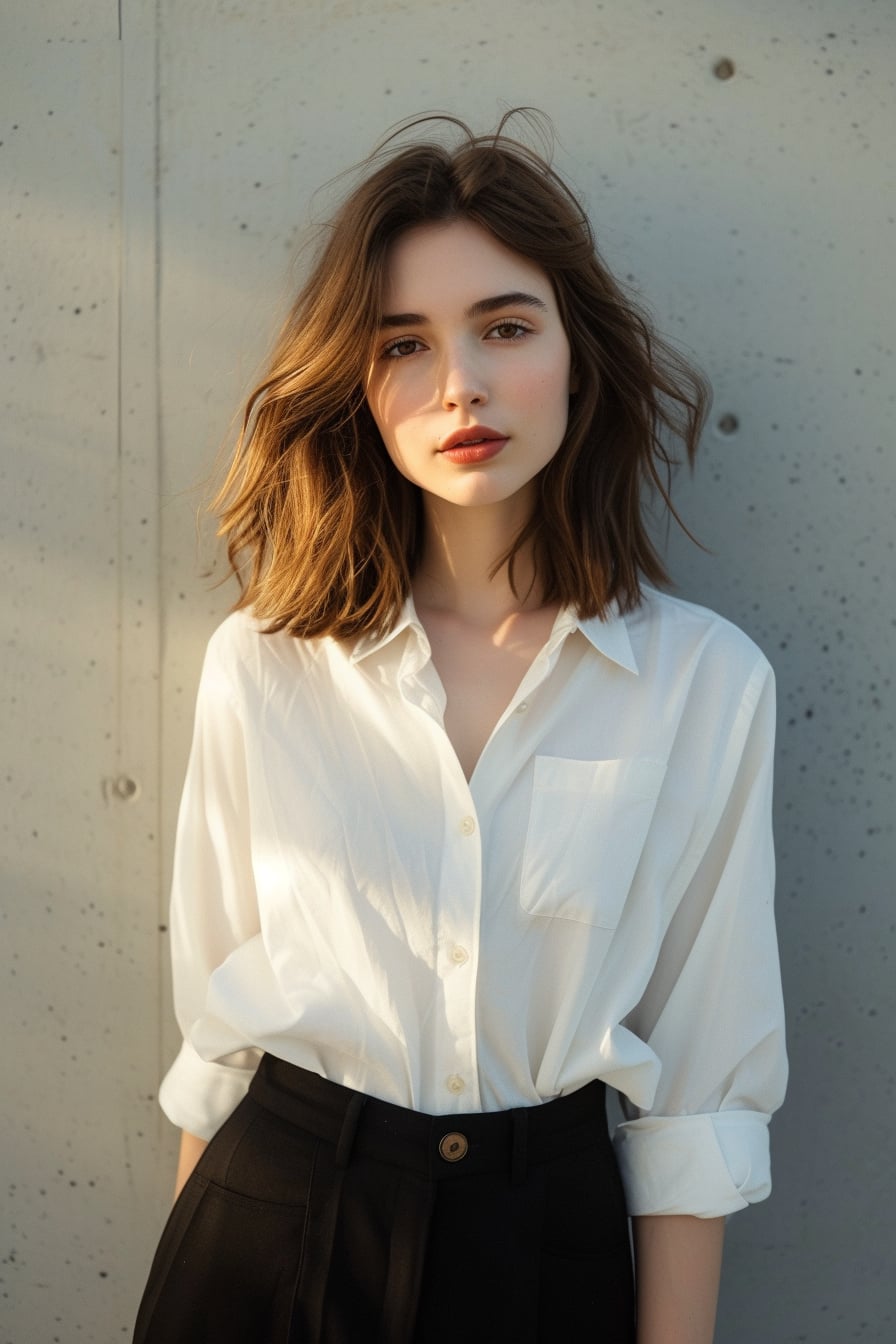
517,298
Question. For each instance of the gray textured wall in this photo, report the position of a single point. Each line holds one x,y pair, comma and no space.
156,179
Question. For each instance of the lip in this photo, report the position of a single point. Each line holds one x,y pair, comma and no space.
476,443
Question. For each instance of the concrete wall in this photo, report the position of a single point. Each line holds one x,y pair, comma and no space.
158,169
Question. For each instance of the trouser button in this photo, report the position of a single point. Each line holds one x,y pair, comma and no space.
453,1147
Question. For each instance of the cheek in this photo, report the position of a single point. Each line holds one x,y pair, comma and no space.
548,391
547,376
394,432
394,406
382,408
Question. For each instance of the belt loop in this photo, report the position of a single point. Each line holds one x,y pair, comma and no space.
520,1120
349,1126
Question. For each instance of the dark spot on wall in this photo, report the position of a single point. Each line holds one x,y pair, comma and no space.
727,424
723,68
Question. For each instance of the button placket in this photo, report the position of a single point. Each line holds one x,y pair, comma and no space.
454,1036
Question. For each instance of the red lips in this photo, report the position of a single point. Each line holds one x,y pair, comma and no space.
473,435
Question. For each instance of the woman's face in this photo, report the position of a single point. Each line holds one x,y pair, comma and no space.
470,379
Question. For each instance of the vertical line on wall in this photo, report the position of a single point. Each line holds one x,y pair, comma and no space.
139,494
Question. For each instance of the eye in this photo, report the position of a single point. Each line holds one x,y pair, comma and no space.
401,347
508,329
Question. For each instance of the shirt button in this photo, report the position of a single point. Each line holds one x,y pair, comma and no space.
455,1083
468,825
459,955
522,707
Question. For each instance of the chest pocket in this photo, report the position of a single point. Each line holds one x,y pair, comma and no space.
587,826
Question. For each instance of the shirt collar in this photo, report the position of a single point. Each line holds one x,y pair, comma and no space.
609,636
370,643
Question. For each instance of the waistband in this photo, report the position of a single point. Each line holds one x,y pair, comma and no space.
436,1147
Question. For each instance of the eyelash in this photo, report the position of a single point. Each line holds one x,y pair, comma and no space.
520,330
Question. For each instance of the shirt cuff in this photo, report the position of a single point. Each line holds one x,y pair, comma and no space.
704,1165
198,1096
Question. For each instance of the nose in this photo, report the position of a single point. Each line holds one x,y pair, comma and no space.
463,383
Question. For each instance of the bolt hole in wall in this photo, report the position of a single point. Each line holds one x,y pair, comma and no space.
723,68
727,424
120,789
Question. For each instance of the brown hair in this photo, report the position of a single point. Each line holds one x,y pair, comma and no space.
323,533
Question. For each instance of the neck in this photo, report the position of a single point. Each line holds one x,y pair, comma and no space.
460,549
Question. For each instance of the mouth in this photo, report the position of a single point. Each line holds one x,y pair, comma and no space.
472,435
476,443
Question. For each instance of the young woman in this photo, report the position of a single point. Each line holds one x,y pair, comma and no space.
476,822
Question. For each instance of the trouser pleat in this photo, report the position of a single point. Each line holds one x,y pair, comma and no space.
410,1229
306,1325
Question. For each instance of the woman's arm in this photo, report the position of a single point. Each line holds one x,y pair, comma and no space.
191,1149
678,1261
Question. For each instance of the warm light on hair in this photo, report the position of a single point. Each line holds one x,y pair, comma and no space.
323,532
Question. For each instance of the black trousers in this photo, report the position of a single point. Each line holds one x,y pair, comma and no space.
320,1216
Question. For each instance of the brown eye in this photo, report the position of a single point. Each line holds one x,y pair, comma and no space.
405,345
508,330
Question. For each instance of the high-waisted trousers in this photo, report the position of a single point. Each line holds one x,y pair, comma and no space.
318,1215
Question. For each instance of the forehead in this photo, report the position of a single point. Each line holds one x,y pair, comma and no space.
455,261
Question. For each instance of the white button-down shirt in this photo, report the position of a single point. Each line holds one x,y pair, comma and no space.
595,903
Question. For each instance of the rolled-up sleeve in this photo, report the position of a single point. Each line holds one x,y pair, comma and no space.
214,907
713,1010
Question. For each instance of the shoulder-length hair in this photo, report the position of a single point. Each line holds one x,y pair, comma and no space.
323,532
